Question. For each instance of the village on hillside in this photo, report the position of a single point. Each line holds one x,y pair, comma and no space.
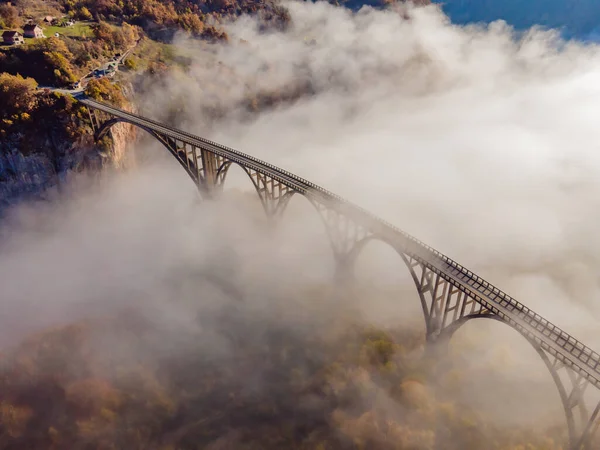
44,27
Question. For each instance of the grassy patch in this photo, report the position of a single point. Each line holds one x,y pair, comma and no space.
39,9
80,29
149,50
152,51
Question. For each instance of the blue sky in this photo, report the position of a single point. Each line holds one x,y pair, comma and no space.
577,18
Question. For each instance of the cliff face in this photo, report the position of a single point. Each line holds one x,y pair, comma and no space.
123,135
38,153
23,176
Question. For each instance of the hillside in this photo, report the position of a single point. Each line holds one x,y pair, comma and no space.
102,30
238,379
46,136
159,18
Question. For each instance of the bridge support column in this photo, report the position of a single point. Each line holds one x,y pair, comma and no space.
346,238
95,121
273,194
344,271
92,120
446,308
213,172
207,169
444,304
571,386
587,436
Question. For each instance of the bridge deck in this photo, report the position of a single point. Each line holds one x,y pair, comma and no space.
552,339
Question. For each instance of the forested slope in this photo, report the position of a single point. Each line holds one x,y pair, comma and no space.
239,380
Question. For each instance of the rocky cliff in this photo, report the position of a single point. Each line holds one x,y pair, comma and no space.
38,152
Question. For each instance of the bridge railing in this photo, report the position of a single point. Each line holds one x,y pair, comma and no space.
479,283
369,220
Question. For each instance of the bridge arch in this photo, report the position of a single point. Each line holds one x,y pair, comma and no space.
194,171
573,433
238,180
105,128
301,222
346,257
378,268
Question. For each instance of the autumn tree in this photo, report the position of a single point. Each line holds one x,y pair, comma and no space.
156,16
13,419
9,16
113,38
102,31
191,22
17,95
103,90
57,60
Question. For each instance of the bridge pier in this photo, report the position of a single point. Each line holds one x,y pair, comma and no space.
273,194
207,169
585,442
344,272
93,120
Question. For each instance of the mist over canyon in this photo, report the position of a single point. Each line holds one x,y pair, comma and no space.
136,315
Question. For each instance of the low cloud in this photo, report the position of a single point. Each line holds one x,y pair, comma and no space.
476,140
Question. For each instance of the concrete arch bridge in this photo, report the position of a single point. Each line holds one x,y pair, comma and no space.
449,293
